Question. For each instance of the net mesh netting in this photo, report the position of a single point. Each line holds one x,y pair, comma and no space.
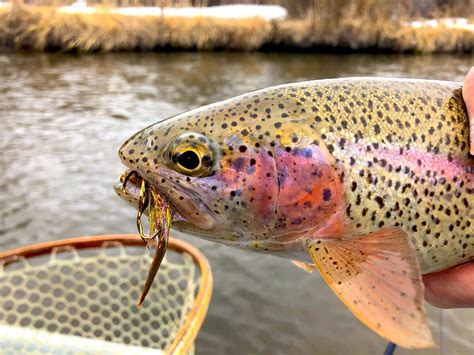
90,296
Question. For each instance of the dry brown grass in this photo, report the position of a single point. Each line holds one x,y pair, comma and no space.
429,40
45,29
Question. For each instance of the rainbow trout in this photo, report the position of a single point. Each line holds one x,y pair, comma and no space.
368,180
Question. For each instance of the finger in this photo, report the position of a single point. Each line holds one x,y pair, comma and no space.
468,96
452,288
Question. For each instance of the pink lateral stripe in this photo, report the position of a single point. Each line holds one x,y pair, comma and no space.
412,158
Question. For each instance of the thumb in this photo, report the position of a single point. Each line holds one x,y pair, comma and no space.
468,96
452,288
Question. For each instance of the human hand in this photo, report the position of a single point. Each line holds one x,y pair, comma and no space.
454,288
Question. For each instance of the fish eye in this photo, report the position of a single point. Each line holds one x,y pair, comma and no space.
189,160
191,154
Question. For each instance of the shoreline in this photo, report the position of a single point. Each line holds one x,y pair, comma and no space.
45,29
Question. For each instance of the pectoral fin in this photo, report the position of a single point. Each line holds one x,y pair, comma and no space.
378,278
305,266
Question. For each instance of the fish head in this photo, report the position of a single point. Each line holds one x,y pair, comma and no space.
235,176
223,185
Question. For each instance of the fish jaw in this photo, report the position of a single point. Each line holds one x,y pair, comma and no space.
130,193
183,196
187,209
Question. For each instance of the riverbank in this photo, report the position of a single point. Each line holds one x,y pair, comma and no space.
45,29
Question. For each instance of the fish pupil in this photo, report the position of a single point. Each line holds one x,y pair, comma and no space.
189,160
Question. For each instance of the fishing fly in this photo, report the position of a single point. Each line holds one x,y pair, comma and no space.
159,222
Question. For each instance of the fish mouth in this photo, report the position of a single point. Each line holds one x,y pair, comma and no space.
128,188
185,206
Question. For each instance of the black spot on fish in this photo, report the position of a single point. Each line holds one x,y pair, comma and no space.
377,129
379,200
326,194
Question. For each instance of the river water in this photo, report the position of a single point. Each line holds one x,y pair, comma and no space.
62,119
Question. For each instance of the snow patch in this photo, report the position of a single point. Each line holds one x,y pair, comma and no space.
450,22
266,12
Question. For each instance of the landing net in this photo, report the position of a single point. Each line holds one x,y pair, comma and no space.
74,300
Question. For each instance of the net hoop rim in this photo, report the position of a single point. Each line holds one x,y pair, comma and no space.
188,332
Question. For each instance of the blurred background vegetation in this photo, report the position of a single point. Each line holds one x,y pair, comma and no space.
311,25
